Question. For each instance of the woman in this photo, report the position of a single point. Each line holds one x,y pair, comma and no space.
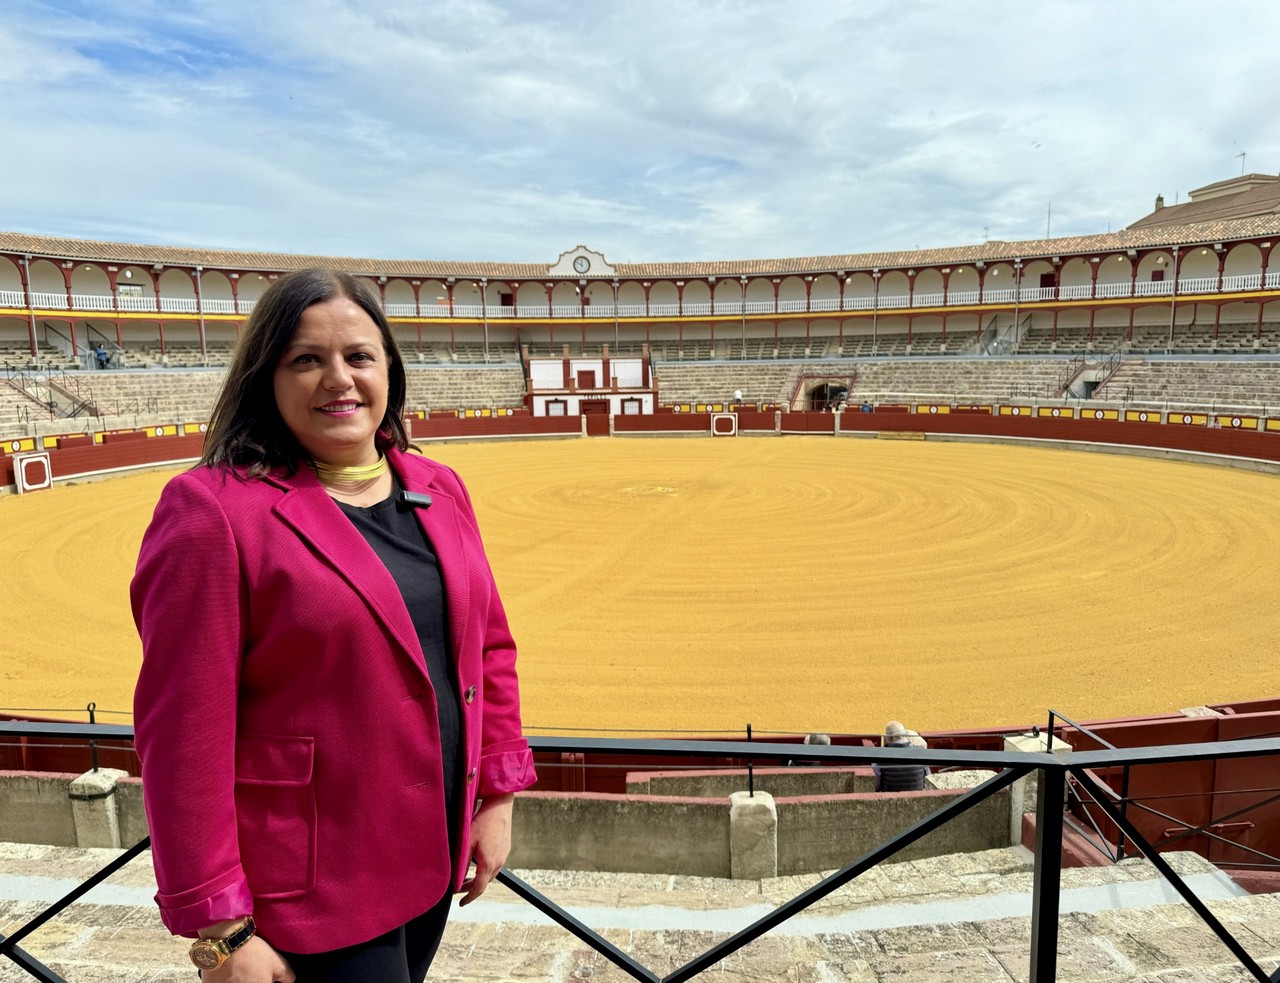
327,711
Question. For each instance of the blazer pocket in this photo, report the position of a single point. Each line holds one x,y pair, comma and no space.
276,814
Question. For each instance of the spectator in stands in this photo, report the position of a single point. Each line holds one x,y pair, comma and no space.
811,740
904,777
101,355
327,711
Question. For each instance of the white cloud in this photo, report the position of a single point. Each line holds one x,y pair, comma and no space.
656,131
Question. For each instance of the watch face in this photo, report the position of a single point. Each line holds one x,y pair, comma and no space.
206,956
582,264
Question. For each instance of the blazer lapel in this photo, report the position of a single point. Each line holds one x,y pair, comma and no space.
314,516
440,523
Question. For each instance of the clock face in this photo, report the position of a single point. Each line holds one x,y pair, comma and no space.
582,264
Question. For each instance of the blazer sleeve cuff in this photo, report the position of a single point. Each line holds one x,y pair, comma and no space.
506,771
221,900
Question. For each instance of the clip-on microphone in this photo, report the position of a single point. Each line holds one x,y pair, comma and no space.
413,500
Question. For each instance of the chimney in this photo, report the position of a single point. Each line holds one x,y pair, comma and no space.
1159,202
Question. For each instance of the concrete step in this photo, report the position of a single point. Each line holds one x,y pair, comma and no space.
963,917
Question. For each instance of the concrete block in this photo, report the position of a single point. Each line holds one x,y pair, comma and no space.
1026,790
753,836
34,809
93,806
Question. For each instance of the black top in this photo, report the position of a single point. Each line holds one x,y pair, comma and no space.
393,531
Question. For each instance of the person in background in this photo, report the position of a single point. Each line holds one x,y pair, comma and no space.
327,712
904,777
101,355
811,740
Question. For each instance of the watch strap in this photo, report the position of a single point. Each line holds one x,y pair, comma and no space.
241,935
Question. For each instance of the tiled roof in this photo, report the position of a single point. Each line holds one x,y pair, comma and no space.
1262,199
1142,235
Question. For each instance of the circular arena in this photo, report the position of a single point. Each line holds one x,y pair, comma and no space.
798,584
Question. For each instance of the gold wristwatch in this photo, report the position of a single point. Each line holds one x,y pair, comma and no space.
212,953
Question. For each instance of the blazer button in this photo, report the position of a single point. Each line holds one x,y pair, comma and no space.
471,776
471,695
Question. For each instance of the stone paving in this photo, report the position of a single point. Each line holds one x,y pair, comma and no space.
960,918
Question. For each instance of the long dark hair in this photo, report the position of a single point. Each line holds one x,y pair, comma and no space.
246,430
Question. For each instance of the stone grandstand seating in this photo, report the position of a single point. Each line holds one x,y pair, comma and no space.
172,393
1194,382
1150,339
959,379
759,381
440,388
18,411
960,917
17,355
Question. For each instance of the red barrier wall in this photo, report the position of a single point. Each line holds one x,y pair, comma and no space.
448,426
809,422
1233,443
667,423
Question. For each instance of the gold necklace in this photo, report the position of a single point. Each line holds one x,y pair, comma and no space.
351,474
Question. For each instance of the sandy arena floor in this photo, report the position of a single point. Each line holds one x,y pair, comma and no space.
797,583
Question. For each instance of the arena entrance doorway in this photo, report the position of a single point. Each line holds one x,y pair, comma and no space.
827,396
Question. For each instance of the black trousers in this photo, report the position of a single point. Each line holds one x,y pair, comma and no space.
402,955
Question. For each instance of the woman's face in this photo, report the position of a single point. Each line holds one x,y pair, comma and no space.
331,383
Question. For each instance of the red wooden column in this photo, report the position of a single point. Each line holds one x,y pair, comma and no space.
1093,280
777,286
946,286
711,285
24,271
647,287
1217,315
808,294
550,287
68,269
1222,266
234,280
679,298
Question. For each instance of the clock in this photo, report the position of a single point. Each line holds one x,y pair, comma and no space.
581,264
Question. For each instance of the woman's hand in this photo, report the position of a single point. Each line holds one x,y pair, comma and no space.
253,962
490,843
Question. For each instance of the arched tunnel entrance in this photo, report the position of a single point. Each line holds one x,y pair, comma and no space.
827,396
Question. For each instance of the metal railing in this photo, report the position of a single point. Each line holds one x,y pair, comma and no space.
991,297
1052,770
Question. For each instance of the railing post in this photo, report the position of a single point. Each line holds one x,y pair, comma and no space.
1048,875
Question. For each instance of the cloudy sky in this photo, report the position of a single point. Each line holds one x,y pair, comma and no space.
474,130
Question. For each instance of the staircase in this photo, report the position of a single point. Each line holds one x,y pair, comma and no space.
961,917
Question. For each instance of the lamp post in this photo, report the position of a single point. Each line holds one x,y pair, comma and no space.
200,310
875,307
1017,296
484,314
615,316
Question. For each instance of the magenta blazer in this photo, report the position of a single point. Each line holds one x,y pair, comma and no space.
287,727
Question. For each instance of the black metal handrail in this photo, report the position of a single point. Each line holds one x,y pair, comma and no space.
1052,769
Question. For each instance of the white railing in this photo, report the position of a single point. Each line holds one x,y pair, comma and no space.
1198,285
722,308
144,304
1247,281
